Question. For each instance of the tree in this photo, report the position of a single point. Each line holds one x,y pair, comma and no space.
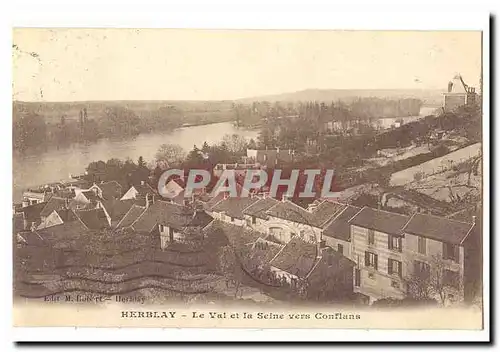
235,143
171,154
229,266
141,162
433,280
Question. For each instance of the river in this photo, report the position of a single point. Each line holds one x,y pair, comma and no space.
55,164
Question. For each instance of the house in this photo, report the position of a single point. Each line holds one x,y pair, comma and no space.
35,196
287,219
337,233
398,256
436,250
172,222
377,249
270,158
231,209
458,94
255,214
315,270
58,217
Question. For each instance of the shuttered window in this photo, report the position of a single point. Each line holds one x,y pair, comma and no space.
371,260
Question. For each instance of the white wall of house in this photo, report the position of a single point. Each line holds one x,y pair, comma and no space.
52,220
378,283
289,229
165,232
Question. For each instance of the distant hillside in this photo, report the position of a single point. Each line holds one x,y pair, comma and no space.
428,96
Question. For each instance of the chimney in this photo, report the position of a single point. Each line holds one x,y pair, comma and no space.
450,86
474,219
142,183
284,197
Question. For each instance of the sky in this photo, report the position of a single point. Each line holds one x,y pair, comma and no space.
165,64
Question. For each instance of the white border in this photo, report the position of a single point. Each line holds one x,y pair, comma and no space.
258,14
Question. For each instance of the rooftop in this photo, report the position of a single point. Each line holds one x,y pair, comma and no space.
94,219
233,206
437,228
297,257
379,220
260,207
339,226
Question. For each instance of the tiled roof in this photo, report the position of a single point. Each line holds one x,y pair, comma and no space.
234,206
61,232
379,220
436,228
339,226
117,209
94,219
330,264
132,215
325,211
110,190
297,257
169,214
54,203
292,212
260,207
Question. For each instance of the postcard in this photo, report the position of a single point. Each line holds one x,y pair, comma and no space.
267,179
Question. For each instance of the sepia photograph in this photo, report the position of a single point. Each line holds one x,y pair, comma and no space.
230,178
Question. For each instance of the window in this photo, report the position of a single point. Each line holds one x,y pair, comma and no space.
312,239
395,243
450,251
232,219
394,267
254,220
340,248
421,269
371,237
422,245
371,276
357,277
451,278
371,260
395,284
160,227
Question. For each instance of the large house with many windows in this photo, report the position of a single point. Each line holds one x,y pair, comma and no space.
420,255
